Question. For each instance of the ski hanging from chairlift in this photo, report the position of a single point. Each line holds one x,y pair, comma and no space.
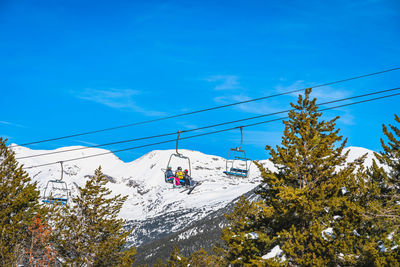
236,155
56,191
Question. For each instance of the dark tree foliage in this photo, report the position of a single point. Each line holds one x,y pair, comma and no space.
88,231
199,258
176,259
312,208
384,203
19,202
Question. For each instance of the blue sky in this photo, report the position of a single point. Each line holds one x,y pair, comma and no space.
74,66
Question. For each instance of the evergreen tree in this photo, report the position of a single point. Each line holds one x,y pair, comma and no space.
176,259
390,156
159,263
307,208
384,208
88,232
19,202
201,258
242,236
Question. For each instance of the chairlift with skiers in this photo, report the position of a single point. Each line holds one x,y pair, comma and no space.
176,159
185,179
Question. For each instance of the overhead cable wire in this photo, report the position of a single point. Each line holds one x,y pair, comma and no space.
204,134
205,127
209,109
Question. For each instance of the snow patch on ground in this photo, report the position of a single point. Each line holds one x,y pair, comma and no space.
252,235
328,232
275,252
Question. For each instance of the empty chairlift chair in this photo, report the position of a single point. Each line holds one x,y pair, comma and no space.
56,191
235,157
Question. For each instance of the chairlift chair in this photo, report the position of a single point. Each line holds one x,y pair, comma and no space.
234,155
175,156
56,191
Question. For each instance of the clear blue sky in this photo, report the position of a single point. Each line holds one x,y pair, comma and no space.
73,66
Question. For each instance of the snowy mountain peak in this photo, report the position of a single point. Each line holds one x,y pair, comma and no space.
356,152
143,179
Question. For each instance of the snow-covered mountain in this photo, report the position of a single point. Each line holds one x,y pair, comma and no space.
154,208
143,179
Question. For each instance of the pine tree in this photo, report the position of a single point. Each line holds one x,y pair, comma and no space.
201,258
242,235
159,263
88,232
390,156
176,259
384,207
19,202
310,206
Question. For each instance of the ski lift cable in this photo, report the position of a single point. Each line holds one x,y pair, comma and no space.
208,109
209,133
205,127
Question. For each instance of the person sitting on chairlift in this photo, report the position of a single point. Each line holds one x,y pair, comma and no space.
169,172
187,178
179,173
178,177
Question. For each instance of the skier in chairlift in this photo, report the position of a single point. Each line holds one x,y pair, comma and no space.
187,178
179,173
169,174
178,177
